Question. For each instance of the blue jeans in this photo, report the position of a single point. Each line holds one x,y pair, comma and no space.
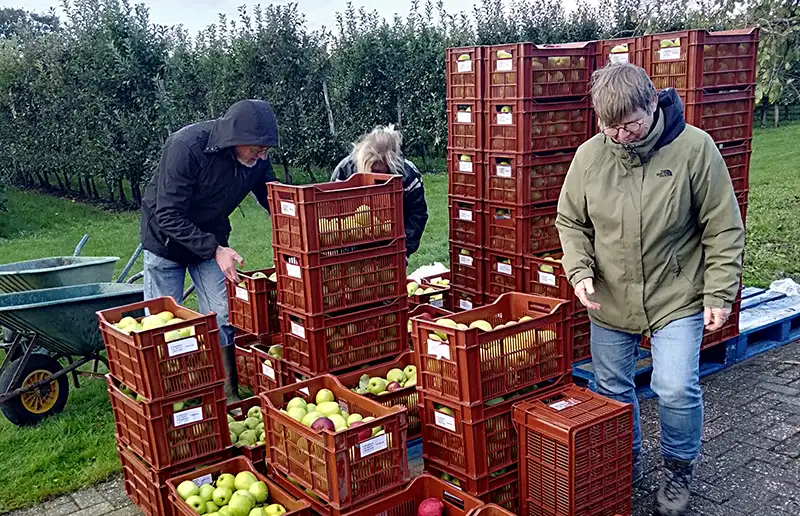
164,278
676,381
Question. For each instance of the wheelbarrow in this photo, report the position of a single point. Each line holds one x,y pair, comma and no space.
63,322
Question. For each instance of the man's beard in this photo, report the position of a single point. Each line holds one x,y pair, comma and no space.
248,165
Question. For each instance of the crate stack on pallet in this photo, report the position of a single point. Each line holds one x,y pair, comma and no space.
473,366
165,383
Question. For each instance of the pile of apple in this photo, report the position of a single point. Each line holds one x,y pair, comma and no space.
130,325
549,268
415,289
395,380
239,495
260,275
249,432
326,414
353,228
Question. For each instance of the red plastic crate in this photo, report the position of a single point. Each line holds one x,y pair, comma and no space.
525,179
501,489
581,329
166,434
528,126
365,209
575,454
294,506
504,273
268,369
710,339
465,119
494,510
622,50
528,71
467,267
154,368
703,59
466,221
464,76
742,198
439,297
253,303
737,159
245,364
316,284
465,173
327,344
727,117
464,299
474,366
547,277
255,454
430,311
521,230
342,469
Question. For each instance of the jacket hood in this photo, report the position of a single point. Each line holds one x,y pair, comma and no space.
248,122
671,107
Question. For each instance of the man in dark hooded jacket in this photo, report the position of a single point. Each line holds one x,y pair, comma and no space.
206,171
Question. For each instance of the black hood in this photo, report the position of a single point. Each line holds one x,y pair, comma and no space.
671,106
248,122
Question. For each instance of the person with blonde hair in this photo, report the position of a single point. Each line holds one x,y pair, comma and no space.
380,152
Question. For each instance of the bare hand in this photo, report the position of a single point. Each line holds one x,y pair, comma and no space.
715,318
583,290
227,259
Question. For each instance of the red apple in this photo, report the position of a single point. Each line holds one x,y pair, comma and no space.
393,386
363,435
323,423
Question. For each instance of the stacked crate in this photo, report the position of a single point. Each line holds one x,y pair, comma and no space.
470,378
166,389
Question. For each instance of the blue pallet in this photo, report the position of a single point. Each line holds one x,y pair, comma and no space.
767,320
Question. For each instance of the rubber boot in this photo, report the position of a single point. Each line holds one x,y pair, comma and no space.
673,497
231,378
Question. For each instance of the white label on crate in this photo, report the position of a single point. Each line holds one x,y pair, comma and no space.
242,294
619,58
465,260
465,166
289,208
298,330
464,117
546,278
294,271
438,349
504,268
465,305
505,65
268,371
464,66
670,54
505,118
504,171
445,421
181,347
465,215
187,417
374,445
561,405
438,303
201,481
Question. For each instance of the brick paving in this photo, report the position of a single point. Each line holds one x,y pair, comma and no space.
750,464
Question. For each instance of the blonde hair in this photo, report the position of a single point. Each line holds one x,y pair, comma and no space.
384,145
618,90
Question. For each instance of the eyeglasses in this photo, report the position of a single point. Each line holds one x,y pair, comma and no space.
630,127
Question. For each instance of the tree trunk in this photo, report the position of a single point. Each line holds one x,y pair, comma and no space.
328,107
81,192
786,112
60,183
137,194
399,113
310,173
777,116
95,193
764,113
47,179
121,186
67,182
42,182
110,188
287,174
424,153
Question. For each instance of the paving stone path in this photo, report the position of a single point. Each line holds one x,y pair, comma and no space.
751,449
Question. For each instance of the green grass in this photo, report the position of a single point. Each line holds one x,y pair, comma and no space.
77,448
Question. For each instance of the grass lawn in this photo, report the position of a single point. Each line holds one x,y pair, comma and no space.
77,448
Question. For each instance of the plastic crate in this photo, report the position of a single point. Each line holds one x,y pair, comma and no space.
529,71
147,488
328,344
406,397
255,454
365,209
576,454
294,506
154,368
702,59
164,433
730,330
581,330
525,179
465,299
245,364
742,198
340,468
253,303
526,126
737,159
521,230
622,50
430,312
467,267
315,284
545,276
268,369
466,221
439,297
464,76
504,273
727,117
474,366
501,489
494,510
465,119
465,173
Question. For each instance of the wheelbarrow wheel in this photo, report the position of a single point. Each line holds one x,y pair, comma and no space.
31,407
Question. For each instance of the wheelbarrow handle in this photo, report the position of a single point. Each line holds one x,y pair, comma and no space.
79,247
129,265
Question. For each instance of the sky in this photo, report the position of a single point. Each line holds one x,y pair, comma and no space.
197,14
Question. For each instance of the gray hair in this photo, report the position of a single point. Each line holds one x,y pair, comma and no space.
619,89
383,144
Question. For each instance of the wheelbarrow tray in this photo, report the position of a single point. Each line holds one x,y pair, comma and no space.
65,318
58,271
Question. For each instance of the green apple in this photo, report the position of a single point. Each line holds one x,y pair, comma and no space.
207,493
251,423
259,490
275,509
255,412
237,428
409,371
297,413
376,385
217,513
464,57
339,423
396,375
309,419
225,511
234,438
325,395
248,438
446,410
259,275
211,507
258,511
225,480
222,495
311,407
248,494
243,480
276,351
329,407
230,419
187,489
197,504
240,505
505,109
352,418
297,402
260,429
